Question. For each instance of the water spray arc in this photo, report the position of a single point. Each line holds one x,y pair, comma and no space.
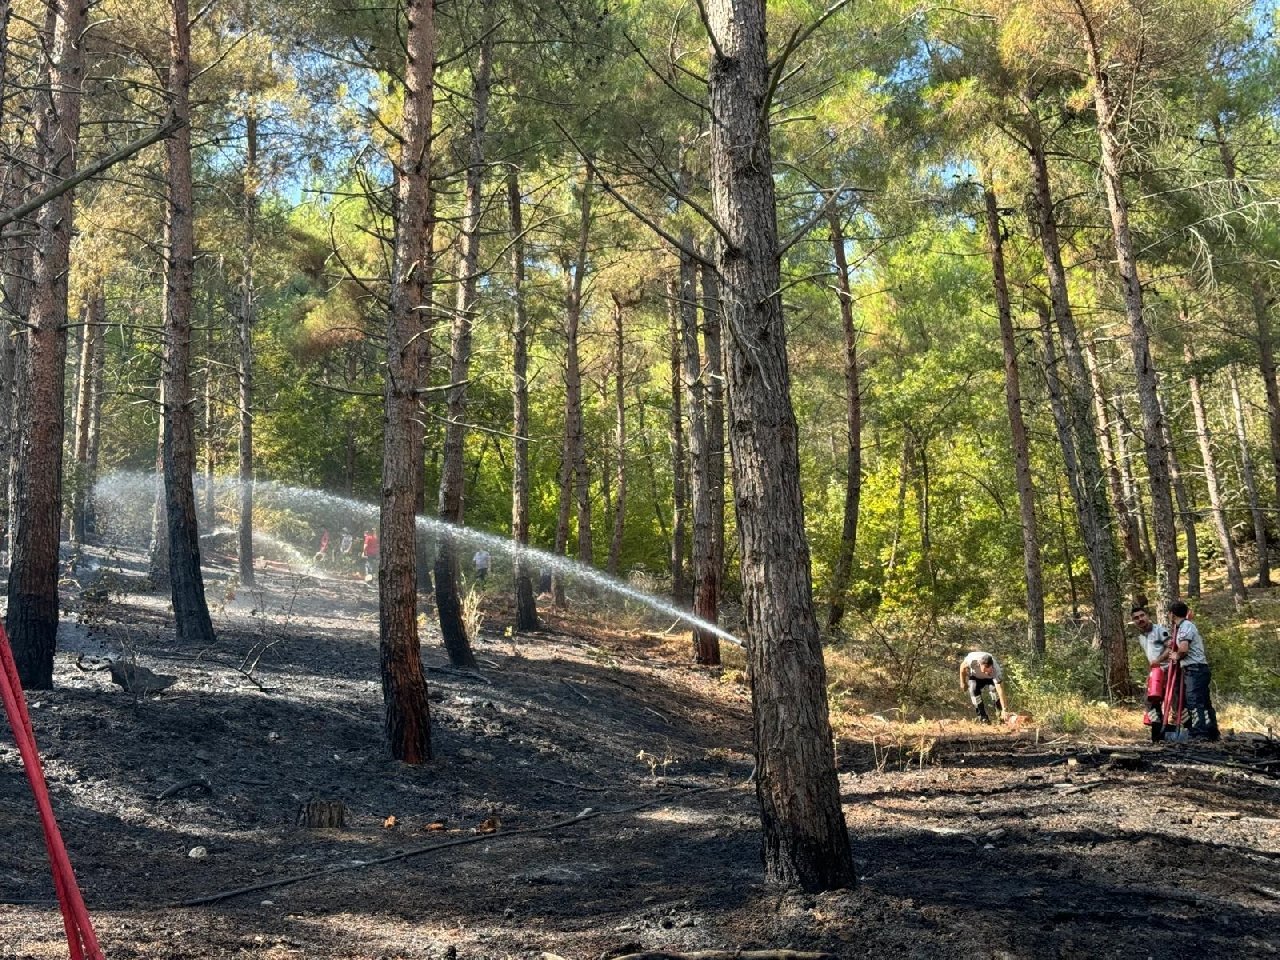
127,493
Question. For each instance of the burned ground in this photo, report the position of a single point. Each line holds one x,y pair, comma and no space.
1004,846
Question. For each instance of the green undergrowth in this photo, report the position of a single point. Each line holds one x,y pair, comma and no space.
905,669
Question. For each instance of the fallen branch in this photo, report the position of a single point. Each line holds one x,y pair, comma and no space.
201,782
571,786
575,690
462,674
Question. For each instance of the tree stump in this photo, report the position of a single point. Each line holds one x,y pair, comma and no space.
323,815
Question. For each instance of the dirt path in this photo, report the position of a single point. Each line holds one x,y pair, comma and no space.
997,848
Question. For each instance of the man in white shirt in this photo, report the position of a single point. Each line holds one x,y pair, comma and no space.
481,562
1189,651
978,671
1154,639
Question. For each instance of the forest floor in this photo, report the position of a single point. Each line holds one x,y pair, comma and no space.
972,843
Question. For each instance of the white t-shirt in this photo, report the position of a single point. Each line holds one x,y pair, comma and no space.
481,560
1195,643
974,662
1154,641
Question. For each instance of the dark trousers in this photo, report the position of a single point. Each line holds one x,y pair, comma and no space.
1204,719
976,686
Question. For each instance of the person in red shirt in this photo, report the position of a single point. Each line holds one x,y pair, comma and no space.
370,554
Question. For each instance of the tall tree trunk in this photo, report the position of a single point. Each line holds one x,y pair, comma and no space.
404,685
16,284
244,367
1018,432
1220,526
526,604
900,508
642,431
711,339
1092,509
582,476
853,427
8,429
706,578
619,437
91,348
1053,387
210,450
1129,536
97,388
1186,509
32,617
1267,367
452,482
806,842
573,452
1250,483
1107,110
191,611
1067,556
427,504
1262,321
1125,433
679,488
158,561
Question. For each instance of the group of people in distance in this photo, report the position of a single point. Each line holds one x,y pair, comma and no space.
370,551
342,556
1177,682
1178,675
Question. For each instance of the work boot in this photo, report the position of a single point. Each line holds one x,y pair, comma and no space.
980,709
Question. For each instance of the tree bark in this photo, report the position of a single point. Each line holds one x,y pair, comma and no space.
573,452
158,562
191,611
1220,526
853,427
32,617
89,387
1186,509
805,840
679,488
706,580
1129,537
1267,367
8,429
1061,420
1068,556
711,340
1261,305
97,390
1107,114
1018,432
404,685
452,482
526,604
244,367
1250,483
619,437
1092,509
1133,493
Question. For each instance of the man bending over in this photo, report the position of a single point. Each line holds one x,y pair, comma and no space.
979,671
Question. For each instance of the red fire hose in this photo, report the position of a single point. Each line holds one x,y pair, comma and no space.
82,942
